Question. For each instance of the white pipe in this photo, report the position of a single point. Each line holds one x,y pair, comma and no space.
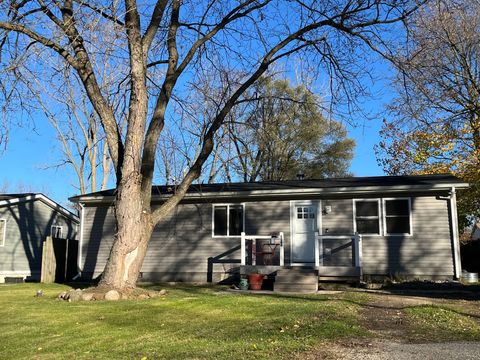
455,233
80,240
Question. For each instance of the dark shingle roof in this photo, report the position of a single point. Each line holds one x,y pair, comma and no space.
348,182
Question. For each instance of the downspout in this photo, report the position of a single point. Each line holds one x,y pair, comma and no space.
455,233
80,242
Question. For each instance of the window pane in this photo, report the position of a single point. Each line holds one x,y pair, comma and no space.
367,208
369,226
396,207
236,219
220,220
398,225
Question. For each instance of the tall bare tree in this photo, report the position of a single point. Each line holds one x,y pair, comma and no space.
435,123
181,38
279,131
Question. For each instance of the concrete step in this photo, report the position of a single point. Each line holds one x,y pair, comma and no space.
295,278
297,288
297,270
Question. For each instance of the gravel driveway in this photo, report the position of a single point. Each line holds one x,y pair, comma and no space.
388,350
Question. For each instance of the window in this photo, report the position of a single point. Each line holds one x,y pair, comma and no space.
228,220
56,231
397,216
305,213
3,231
367,216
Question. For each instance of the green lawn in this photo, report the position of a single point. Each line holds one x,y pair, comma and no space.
190,322
201,322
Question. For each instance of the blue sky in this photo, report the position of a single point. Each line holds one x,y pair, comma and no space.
28,162
32,151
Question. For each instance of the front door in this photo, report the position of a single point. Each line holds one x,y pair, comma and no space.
304,218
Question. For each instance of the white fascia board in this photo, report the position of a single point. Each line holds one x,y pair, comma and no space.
52,204
351,191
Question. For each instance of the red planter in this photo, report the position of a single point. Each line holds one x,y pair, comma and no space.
255,281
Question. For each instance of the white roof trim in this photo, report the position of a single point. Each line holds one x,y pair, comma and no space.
52,204
288,192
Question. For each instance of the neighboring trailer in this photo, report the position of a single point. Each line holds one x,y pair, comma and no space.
25,221
407,226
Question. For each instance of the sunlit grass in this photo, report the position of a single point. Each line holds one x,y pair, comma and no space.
438,323
190,322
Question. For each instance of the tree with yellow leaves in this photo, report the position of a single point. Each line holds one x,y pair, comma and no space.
435,125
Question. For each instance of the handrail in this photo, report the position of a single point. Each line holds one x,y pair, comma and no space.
357,247
243,247
218,260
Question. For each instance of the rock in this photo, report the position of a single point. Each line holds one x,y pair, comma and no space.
112,295
143,297
62,295
87,296
75,296
162,292
98,296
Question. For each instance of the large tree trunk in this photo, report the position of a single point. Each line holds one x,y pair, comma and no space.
134,229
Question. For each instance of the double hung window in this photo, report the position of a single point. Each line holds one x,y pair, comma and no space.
367,216
228,220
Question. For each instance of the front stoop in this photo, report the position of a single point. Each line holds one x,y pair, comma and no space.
296,280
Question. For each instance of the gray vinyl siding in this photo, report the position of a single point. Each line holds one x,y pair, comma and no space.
428,251
28,224
339,220
182,243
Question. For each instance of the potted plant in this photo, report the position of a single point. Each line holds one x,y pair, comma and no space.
243,284
255,280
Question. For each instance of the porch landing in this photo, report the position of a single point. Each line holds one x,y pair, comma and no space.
303,278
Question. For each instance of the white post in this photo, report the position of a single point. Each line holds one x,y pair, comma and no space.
243,253
360,254
358,249
254,251
317,250
282,250
320,248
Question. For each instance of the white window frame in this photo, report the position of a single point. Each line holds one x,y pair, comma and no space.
58,227
228,219
384,216
4,234
380,228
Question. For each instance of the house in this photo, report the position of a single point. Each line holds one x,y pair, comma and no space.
25,221
348,227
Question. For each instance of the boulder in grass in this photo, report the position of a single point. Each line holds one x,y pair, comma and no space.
112,295
87,296
75,295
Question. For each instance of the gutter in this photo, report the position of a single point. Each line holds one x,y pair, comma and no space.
455,233
285,192
80,241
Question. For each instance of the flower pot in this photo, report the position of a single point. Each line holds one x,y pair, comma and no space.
243,284
255,281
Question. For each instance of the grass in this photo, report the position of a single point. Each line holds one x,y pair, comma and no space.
191,322
443,323
204,322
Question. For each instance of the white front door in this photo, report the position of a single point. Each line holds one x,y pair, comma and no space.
304,219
